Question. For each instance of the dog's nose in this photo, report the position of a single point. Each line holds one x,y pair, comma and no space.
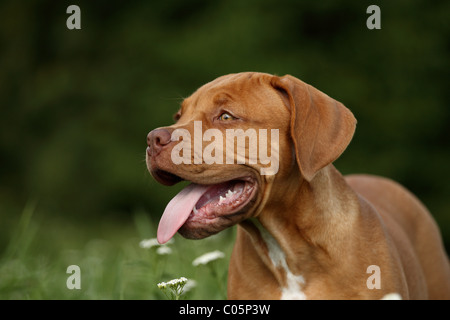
157,139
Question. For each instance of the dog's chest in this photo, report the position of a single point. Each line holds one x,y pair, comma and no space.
291,284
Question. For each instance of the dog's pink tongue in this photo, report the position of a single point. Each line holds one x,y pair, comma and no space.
178,210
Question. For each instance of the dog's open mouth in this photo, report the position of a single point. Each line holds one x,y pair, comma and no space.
200,210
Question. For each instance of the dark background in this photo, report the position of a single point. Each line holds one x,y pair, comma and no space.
76,105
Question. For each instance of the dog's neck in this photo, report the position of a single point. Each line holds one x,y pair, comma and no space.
320,227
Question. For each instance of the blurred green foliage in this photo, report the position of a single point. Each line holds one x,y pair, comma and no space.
113,264
76,105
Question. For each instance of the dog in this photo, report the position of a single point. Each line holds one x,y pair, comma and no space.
304,231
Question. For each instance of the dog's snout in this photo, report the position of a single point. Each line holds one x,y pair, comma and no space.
157,139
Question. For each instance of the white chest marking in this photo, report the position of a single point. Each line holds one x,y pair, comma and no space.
292,290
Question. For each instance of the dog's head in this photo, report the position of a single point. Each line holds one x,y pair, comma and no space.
235,139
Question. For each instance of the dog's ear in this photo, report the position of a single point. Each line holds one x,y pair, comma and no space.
321,127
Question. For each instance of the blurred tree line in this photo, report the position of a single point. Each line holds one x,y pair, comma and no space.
76,105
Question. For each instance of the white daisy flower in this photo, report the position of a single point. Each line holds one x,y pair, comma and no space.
190,284
175,288
150,243
162,285
163,250
208,257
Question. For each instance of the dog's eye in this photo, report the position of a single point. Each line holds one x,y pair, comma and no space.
177,116
226,117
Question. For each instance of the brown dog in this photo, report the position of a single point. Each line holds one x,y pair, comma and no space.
304,231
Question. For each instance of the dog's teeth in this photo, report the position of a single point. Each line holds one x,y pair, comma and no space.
195,210
230,193
221,199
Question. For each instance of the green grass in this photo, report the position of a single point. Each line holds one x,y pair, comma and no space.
113,265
